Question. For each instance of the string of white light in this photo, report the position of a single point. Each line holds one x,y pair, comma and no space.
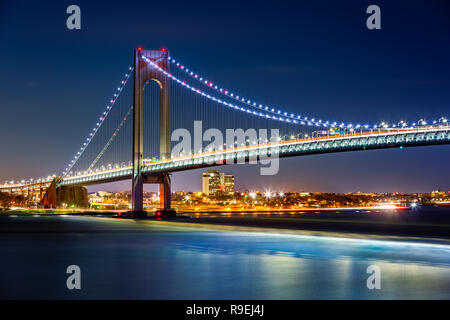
111,139
101,120
299,119
228,93
265,113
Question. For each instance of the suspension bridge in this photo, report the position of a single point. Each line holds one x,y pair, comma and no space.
167,94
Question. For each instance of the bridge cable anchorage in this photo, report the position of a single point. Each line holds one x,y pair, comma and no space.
101,120
286,115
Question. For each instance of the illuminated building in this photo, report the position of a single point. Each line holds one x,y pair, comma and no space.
215,183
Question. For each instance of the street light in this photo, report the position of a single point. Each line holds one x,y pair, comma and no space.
402,124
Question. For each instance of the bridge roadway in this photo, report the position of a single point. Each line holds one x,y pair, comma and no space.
419,136
379,139
33,190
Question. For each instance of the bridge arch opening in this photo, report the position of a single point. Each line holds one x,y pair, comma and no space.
152,91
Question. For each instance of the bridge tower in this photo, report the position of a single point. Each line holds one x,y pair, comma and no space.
143,72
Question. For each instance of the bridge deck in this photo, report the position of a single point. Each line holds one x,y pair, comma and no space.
408,137
421,136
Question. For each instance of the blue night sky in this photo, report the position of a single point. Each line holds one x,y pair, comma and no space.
313,57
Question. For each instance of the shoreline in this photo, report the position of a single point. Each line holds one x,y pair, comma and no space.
32,211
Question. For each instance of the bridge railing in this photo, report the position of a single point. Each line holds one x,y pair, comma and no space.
295,146
372,132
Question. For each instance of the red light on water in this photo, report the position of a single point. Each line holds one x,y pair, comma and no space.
163,49
140,48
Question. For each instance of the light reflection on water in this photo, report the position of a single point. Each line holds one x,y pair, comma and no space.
156,261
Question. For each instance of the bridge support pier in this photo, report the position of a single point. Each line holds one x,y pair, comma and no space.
163,180
165,209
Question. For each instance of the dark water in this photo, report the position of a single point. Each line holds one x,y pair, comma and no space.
421,222
126,259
